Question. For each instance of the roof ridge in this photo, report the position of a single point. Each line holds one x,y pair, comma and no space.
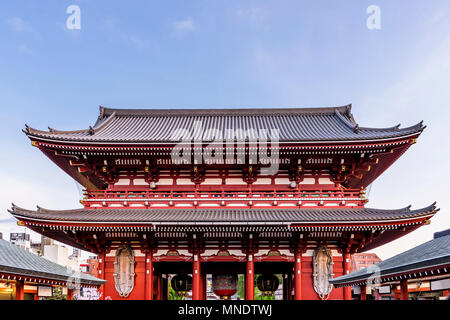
397,127
221,111
432,207
31,130
349,122
98,126
91,130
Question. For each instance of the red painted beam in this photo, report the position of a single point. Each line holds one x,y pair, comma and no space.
403,289
196,278
250,278
298,291
347,270
69,294
20,291
148,295
363,293
101,274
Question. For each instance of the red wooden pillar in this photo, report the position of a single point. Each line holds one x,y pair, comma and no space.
250,272
69,294
148,295
196,278
363,293
101,273
298,292
20,293
403,289
250,278
347,269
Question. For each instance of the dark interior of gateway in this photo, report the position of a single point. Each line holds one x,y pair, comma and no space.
223,267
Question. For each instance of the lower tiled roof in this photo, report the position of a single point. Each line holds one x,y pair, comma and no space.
17,261
176,216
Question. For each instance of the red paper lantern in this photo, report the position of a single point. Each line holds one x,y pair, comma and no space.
224,285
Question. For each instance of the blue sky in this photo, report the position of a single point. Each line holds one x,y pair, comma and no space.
212,54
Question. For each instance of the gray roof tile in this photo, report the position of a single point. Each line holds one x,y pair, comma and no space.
18,261
163,125
429,254
222,215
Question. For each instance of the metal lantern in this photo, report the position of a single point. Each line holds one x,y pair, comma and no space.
224,285
181,283
267,283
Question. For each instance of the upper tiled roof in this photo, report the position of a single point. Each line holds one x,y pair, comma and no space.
430,254
167,125
235,216
18,261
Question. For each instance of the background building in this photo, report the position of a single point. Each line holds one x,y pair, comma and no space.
90,266
27,276
59,254
21,240
364,260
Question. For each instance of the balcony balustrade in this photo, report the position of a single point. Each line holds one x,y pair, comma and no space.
197,199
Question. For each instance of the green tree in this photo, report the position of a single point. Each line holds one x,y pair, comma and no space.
57,294
241,287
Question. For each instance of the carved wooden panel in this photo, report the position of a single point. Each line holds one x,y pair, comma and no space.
124,271
322,271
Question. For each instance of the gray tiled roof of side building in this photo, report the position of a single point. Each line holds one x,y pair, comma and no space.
18,261
222,215
428,254
169,125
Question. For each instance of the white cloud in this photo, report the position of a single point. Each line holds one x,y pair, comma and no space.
254,14
17,24
23,48
27,192
109,23
116,34
24,28
184,26
421,175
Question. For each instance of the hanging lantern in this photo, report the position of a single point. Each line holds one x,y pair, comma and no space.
181,283
267,284
224,285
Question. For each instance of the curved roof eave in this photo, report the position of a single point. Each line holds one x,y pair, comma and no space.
107,116
305,216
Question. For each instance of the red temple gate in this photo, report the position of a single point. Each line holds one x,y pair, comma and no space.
158,203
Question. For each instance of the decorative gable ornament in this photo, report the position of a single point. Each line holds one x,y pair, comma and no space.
124,271
322,271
